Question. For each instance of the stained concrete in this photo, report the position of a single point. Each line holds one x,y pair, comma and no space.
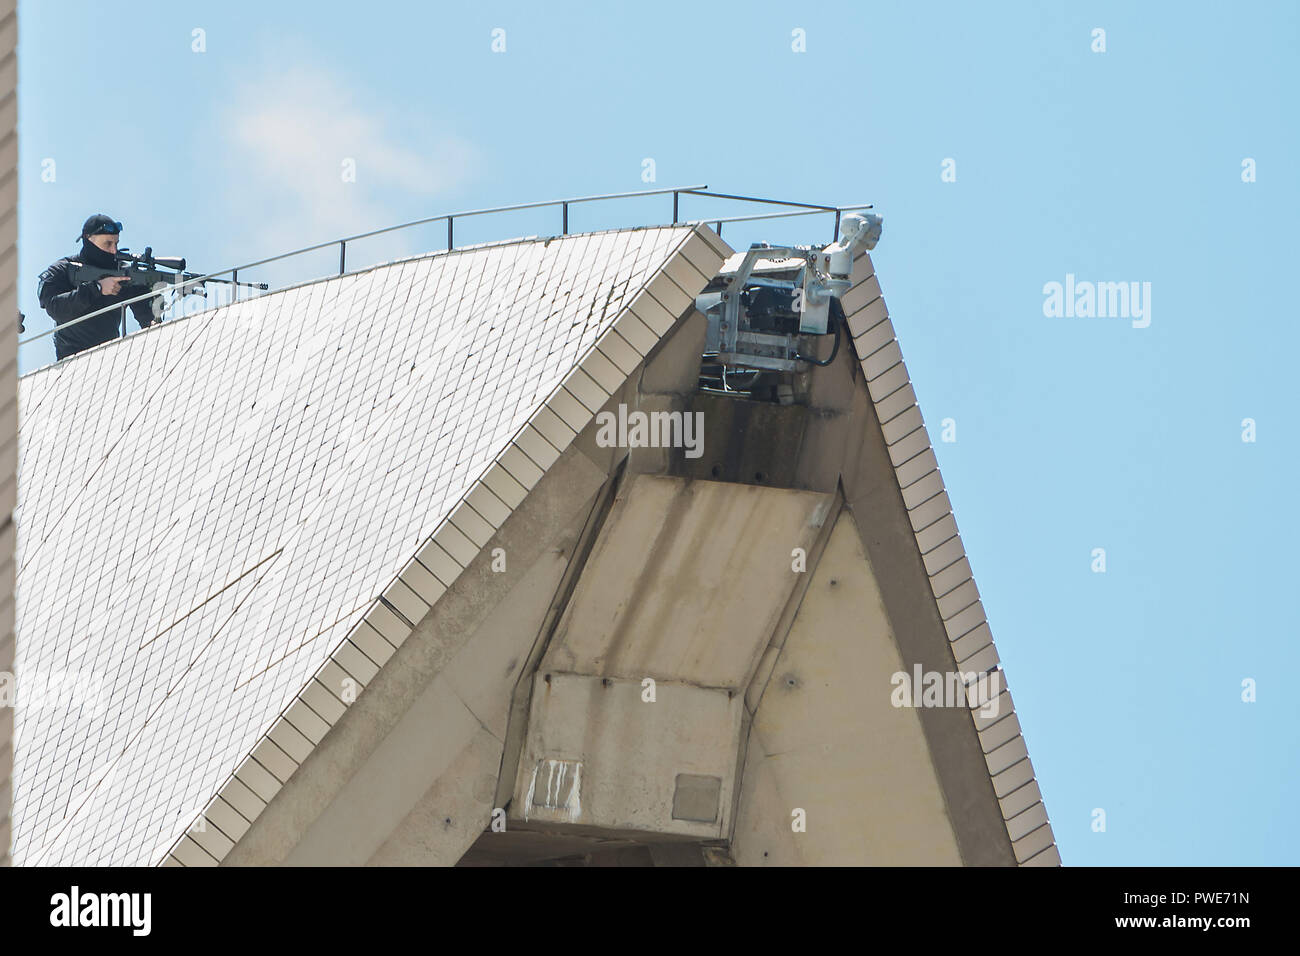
826,739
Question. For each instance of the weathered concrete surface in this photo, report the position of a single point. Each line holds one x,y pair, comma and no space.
747,442
686,581
684,586
826,739
872,494
628,754
423,743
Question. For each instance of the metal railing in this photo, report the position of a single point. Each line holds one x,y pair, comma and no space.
803,209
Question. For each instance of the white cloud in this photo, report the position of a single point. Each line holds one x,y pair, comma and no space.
288,134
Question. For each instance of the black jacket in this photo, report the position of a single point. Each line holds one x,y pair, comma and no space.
65,302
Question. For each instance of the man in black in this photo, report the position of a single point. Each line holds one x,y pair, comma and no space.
65,301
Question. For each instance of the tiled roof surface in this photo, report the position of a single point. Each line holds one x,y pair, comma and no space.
8,386
209,507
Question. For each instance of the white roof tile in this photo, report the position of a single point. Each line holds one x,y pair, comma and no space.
209,508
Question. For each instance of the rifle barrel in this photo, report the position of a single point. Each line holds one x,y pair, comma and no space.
177,264
248,285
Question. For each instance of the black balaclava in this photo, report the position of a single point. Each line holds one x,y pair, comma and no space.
91,254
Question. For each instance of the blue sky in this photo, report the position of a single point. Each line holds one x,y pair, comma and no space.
1071,433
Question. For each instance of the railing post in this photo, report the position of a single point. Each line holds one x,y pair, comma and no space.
234,285
836,237
451,237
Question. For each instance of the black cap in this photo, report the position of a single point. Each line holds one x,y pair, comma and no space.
100,223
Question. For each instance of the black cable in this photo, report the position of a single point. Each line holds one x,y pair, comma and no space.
836,318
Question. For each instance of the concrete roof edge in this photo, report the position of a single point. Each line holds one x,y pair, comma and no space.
951,581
